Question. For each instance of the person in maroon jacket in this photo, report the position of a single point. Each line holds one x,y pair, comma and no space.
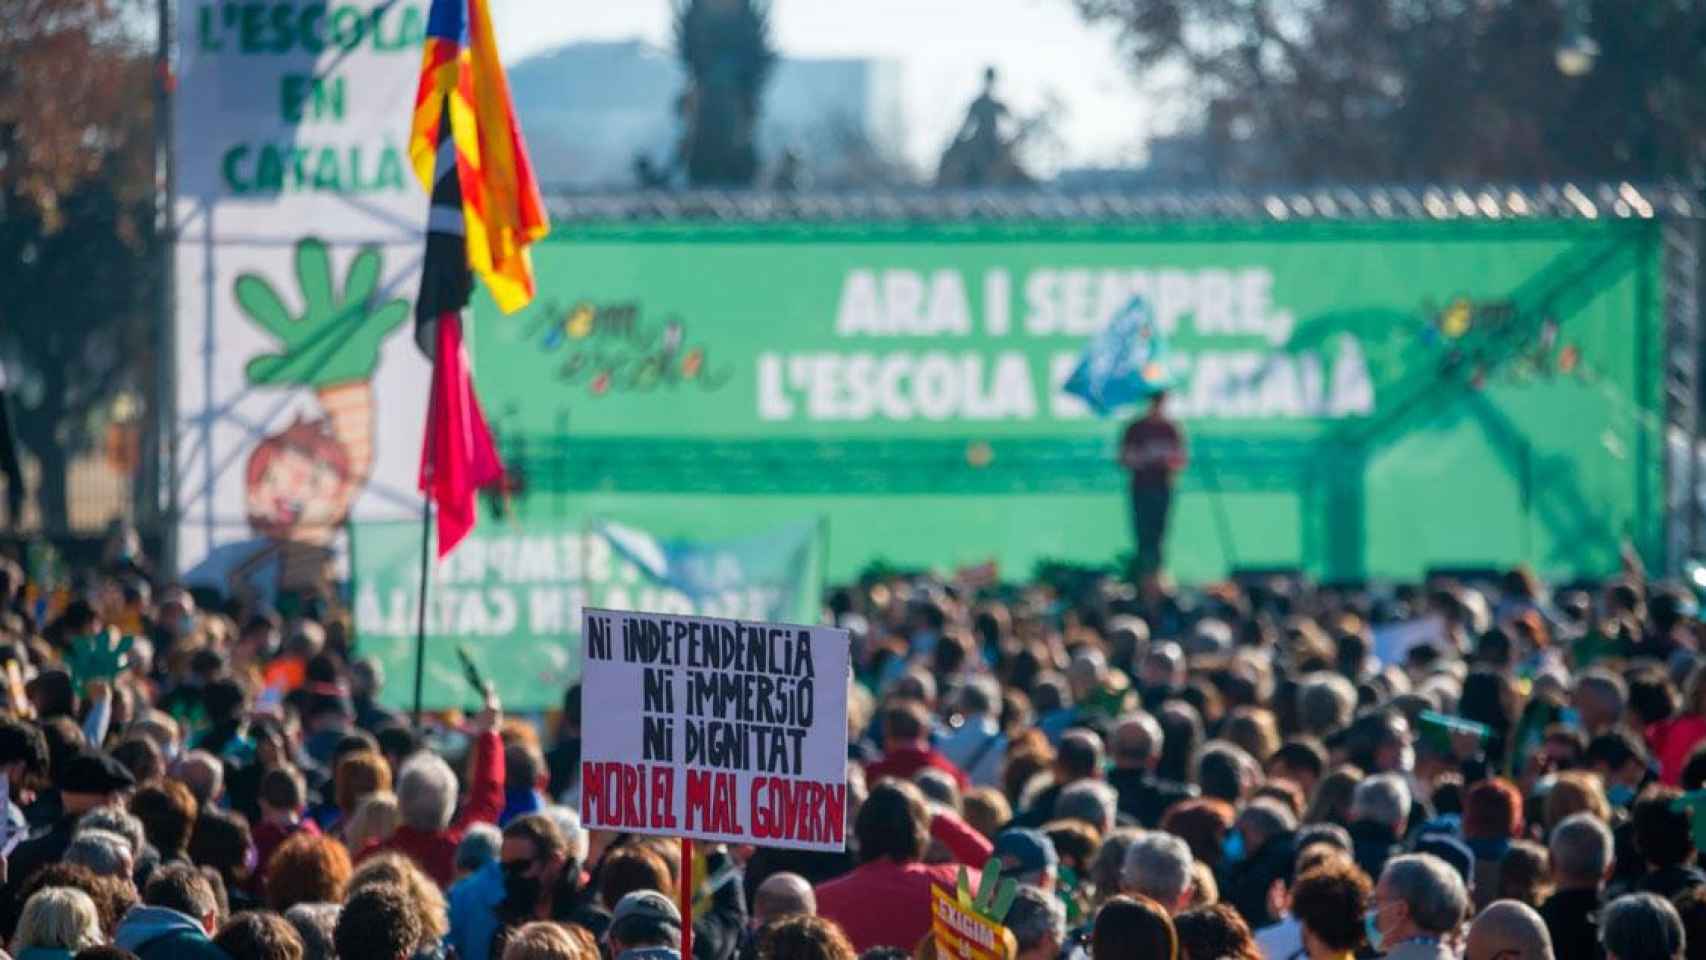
426,791
1153,450
885,901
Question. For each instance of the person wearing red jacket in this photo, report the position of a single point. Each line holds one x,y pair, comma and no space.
907,749
426,792
885,901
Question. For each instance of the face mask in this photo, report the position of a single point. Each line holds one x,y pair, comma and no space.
1407,759
1232,848
1620,794
1570,717
1371,925
521,892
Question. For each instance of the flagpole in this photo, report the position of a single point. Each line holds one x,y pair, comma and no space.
420,616
426,539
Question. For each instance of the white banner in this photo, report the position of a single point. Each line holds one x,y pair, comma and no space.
723,730
300,394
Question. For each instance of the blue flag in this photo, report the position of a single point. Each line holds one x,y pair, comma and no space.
1125,363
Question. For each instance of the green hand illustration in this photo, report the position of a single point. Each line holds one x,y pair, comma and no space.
994,895
337,338
98,656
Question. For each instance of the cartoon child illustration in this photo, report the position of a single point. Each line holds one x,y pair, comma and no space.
299,483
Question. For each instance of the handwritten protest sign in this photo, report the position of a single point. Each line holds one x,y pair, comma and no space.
962,932
713,729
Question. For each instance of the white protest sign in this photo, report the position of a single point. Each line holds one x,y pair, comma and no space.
1394,641
720,730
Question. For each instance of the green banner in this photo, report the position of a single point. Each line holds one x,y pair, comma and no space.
514,593
1361,399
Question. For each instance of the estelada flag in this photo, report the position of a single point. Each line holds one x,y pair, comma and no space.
463,82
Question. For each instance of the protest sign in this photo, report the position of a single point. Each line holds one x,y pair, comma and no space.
1394,641
963,933
722,730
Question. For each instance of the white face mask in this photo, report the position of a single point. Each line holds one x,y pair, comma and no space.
1407,759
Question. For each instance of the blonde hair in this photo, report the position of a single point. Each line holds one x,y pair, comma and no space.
427,899
1205,892
1576,791
547,940
376,817
60,917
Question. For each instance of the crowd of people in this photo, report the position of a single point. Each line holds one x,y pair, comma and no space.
1489,769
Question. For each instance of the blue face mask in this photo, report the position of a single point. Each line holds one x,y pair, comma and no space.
1620,794
1570,717
1232,848
1371,925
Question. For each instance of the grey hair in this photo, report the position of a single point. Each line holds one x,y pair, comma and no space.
479,846
426,792
1383,798
1641,926
1607,686
1158,865
1136,737
1431,888
1109,861
117,820
103,851
568,823
1325,702
314,923
202,772
1036,916
1269,816
1091,801
1581,847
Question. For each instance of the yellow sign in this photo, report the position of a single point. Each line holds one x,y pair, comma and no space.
961,933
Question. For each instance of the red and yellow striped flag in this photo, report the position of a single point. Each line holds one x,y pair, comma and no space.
502,211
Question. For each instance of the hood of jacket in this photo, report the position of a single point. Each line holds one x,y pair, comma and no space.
144,925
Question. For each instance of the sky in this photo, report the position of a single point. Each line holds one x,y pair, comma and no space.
1041,48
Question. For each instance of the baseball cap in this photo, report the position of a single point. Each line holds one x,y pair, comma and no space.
91,772
649,904
1024,851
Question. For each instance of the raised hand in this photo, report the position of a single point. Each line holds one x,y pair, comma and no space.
97,658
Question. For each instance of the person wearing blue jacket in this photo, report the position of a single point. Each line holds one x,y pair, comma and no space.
175,920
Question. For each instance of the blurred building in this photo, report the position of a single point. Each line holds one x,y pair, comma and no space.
591,108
